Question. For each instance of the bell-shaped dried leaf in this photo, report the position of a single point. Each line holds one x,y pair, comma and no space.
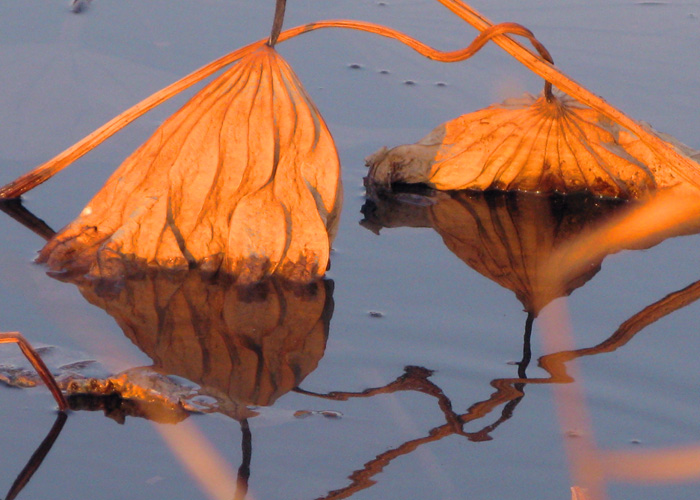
529,144
243,179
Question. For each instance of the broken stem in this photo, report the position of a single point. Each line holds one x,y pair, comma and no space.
44,172
38,364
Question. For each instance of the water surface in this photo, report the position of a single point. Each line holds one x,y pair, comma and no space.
63,75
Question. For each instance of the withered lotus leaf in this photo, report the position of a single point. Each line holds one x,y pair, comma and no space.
529,144
243,179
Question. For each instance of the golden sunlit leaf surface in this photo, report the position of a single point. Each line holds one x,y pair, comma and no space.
244,179
529,144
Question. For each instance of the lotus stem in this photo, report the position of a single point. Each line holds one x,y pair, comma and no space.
38,364
45,171
684,167
277,23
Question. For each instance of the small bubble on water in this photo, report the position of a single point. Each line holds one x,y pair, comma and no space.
382,4
376,314
79,6
383,71
409,82
440,84
355,66
635,441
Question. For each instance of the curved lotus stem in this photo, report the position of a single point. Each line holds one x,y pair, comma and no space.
45,171
38,364
684,167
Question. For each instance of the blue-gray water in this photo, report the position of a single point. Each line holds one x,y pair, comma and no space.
64,74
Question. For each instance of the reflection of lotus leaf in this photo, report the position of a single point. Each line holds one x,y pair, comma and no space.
245,345
243,179
506,237
529,144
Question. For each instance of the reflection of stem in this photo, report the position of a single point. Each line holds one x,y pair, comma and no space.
362,478
244,469
527,347
415,378
18,212
508,391
38,457
47,170
554,363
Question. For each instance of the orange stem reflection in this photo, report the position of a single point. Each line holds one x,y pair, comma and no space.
510,391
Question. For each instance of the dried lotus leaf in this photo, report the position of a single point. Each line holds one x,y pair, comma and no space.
529,144
244,179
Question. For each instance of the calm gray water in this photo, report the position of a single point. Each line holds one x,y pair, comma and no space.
63,75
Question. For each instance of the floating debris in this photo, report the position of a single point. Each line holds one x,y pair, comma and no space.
324,413
79,6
